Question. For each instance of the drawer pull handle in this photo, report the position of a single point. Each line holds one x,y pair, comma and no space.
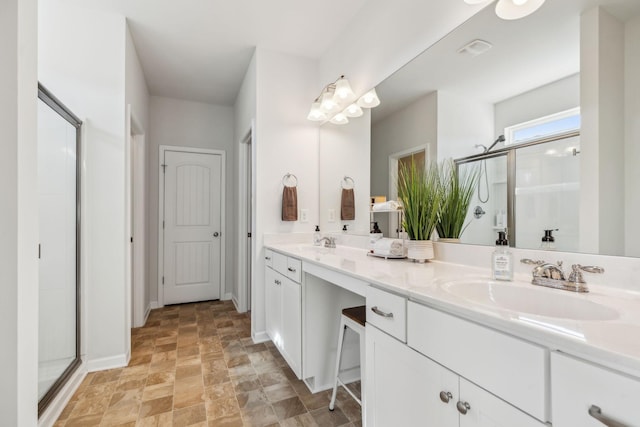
278,282
463,407
596,413
445,396
381,313
291,269
268,258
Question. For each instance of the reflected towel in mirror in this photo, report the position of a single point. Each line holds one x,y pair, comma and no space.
388,247
347,205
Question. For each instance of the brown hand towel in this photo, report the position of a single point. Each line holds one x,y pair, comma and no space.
289,204
347,205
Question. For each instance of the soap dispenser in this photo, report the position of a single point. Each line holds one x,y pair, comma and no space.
316,236
502,259
548,241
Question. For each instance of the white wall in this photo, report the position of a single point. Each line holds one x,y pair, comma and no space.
285,141
462,123
602,133
344,150
136,91
82,62
244,112
18,216
188,124
632,135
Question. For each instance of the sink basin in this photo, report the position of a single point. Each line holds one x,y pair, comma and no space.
529,300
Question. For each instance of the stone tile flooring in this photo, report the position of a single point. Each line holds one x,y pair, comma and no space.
196,365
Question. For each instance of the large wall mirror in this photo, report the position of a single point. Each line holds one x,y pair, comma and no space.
572,61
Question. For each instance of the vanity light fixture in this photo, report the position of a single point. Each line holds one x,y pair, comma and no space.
513,9
337,102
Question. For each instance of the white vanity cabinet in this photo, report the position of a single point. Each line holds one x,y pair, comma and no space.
451,372
283,307
585,395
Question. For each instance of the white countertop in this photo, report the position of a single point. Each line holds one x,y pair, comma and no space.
613,342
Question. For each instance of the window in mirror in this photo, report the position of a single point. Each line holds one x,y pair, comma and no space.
543,127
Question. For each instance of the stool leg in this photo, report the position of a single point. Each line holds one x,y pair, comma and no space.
338,356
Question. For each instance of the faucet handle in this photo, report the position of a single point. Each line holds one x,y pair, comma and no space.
577,269
532,262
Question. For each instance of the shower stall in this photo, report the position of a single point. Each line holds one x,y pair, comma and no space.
59,248
526,189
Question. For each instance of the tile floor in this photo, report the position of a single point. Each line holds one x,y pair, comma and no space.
195,364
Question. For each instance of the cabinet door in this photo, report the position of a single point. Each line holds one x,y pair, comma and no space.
273,304
291,325
483,409
577,385
403,387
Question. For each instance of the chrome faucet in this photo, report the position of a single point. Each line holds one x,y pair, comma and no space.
552,275
329,242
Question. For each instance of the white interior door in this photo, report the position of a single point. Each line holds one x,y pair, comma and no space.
192,226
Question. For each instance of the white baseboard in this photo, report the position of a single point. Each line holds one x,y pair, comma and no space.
153,305
234,300
57,405
107,363
227,296
259,337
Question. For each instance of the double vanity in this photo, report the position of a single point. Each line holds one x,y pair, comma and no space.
447,346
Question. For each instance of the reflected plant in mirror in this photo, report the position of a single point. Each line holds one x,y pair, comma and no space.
456,190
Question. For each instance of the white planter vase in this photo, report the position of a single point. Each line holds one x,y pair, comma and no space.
448,240
420,250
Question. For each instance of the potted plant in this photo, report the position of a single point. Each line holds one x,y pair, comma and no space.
456,190
419,192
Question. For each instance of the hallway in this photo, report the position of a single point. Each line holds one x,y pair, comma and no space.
195,364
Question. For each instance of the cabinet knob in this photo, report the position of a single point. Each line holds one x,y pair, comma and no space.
216,234
291,269
596,413
463,407
278,282
268,258
445,396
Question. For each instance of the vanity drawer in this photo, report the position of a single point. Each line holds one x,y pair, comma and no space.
294,269
268,257
287,266
512,369
387,312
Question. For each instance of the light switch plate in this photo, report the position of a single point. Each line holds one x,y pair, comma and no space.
332,215
304,215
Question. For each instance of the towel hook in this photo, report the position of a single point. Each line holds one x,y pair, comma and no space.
349,182
289,176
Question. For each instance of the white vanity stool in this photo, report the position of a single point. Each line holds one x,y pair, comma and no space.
353,318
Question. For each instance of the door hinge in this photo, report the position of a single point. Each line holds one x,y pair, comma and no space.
163,224
39,251
249,235
164,168
131,239
163,280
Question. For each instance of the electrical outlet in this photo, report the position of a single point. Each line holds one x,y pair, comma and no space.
332,215
304,215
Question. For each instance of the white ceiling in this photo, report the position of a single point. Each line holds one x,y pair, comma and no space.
526,54
200,49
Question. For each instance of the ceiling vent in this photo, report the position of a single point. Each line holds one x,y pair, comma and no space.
475,47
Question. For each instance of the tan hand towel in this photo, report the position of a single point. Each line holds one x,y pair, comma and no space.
289,204
347,205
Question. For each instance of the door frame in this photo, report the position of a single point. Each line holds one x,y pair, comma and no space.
136,207
223,228
245,254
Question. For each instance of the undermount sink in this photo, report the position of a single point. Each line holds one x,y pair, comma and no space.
529,300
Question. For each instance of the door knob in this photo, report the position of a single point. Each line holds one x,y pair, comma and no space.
216,234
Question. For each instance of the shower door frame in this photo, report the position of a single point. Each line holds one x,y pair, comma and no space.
510,152
54,103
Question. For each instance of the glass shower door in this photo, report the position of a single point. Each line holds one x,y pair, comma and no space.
547,193
58,353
